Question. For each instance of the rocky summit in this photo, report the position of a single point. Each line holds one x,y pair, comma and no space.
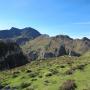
20,36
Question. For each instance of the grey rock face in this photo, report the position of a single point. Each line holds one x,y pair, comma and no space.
32,55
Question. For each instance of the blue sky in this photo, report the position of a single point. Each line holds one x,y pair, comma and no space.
71,17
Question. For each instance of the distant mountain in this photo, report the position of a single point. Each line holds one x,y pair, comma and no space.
11,55
47,47
40,46
20,36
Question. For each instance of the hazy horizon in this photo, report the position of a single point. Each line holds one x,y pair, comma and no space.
51,17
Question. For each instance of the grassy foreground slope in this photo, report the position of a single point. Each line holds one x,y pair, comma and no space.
49,74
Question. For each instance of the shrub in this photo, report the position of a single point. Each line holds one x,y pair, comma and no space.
25,84
7,88
46,82
70,63
1,86
33,74
81,67
62,66
30,88
74,68
28,71
14,75
69,72
40,76
48,74
16,72
23,77
15,88
34,79
53,71
68,85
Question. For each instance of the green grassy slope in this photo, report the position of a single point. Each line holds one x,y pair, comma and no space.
49,74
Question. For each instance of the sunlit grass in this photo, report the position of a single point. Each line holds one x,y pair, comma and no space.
48,74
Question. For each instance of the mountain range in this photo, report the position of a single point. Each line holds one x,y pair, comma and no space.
20,36
24,45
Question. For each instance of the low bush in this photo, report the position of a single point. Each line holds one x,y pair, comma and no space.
69,72
62,66
7,88
33,74
28,71
34,79
40,76
1,86
68,85
30,88
15,88
16,72
53,71
14,75
25,84
48,74
46,82
81,67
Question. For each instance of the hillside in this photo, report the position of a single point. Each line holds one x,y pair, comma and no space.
44,47
20,36
62,73
11,55
43,62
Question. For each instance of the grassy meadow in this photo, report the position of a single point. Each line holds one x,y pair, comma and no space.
52,74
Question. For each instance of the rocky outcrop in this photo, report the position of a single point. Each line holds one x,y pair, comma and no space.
44,54
47,47
32,55
61,51
11,55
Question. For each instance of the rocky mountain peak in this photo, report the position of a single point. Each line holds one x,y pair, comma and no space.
20,36
13,28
